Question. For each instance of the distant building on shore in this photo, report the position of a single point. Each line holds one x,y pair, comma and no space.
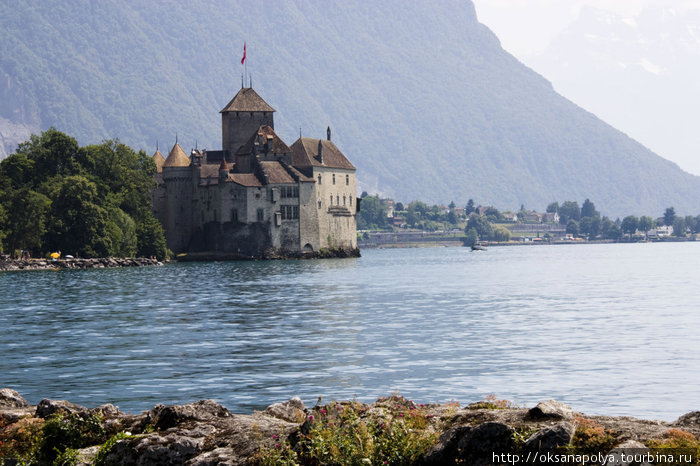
256,196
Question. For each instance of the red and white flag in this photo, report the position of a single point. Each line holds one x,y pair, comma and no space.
243,59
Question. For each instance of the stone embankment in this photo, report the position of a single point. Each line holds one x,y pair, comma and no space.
7,264
393,430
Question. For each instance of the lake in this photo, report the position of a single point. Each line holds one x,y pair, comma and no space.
610,329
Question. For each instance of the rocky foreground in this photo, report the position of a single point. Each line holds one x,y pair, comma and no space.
100,263
393,430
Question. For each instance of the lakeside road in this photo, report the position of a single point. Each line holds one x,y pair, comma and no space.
393,428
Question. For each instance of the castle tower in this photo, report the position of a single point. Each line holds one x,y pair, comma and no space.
178,179
241,118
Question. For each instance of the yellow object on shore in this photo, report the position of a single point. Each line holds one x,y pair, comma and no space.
55,255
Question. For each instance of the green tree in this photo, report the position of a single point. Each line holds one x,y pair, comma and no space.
121,229
589,226
572,227
553,207
151,239
501,234
679,227
452,217
630,225
470,207
472,237
569,210
669,216
690,223
493,215
646,223
27,213
3,226
52,154
588,209
372,216
77,223
481,225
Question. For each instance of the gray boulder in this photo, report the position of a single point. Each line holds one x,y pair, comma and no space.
291,411
551,409
164,417
629,453
689,419
47,407
11,399
551,438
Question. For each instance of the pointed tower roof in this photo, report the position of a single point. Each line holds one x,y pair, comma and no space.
247,100
177,157
159,160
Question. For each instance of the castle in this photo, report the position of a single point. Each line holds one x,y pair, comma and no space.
257,196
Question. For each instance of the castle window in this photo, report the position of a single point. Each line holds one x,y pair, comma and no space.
337,200
331,199
333,178
319,203
347,180
295,191
319,179
290,212
261,215
343,200
234,215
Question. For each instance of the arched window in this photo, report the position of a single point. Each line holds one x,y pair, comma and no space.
337,199
343,200
331,199
347,180
319,179
333,178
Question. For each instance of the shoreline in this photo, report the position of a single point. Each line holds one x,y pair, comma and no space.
7,265
460,243
392,428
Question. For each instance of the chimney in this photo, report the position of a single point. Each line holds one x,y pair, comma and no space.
328,133
320,151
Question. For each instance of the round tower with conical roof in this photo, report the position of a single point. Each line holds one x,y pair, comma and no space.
242,117
178,179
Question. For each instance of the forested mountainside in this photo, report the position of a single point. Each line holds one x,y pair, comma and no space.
423,100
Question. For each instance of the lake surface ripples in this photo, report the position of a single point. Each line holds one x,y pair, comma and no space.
610,329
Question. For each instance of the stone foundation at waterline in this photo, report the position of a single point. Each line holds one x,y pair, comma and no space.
100,263
392,430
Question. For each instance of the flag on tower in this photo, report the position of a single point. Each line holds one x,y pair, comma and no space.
243,59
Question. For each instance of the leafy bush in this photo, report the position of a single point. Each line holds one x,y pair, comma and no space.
395,432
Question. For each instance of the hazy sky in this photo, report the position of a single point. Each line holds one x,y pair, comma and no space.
525,28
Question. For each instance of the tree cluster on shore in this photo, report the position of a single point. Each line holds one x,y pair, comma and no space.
92,201
490,224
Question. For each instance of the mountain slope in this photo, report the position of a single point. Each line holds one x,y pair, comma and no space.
424,101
